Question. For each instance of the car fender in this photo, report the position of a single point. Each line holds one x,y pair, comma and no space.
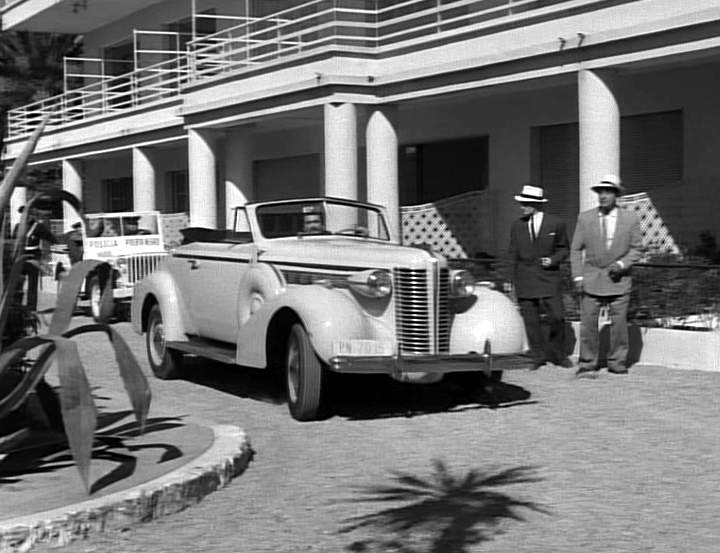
327,314
491,316
260,283
160,287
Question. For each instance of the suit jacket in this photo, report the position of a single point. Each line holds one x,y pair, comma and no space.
531,279
590,258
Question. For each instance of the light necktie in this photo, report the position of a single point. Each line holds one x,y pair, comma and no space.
603,222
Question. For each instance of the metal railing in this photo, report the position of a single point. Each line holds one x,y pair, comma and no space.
364,27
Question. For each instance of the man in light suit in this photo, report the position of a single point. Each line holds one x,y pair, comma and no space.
538,244
606,244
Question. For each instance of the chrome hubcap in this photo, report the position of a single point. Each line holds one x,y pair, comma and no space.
157,342
95,296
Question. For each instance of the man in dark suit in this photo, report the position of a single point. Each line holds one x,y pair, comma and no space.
606,244
538,244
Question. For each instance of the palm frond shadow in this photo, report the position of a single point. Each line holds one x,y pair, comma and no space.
49,452
441,514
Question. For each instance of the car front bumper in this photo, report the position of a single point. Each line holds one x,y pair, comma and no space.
396,365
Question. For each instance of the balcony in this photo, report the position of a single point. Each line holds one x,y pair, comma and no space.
348,27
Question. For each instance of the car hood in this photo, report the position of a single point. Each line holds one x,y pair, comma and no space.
343,252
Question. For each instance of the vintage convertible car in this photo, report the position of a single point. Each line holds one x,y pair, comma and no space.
312,285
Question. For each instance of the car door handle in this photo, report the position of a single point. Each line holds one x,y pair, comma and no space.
193,264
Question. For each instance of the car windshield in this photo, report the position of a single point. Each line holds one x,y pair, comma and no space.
325,217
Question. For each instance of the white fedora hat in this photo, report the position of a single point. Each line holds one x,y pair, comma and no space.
531,193
609,181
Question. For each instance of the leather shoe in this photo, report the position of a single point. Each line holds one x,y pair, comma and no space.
537,364
565,363
617,370
586,372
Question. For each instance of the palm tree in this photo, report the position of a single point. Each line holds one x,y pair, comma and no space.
31,68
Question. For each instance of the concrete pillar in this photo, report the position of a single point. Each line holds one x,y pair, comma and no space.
382,164
599,126
18,198
202,185
341,151
73,183
144,179
239,188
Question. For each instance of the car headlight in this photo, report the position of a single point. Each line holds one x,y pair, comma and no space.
462,284
373,283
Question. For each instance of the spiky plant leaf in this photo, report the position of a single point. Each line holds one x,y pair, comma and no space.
67,296
54,195
77,405
13,284
134,379
13,355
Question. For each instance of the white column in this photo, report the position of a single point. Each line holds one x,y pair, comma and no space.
599,126
341,150
72,182
202,179
382,164
18,198
238,171
144,179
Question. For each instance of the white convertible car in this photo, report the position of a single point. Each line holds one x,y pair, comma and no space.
312,285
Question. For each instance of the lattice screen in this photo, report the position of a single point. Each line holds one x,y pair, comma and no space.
171,225
457,227
656,235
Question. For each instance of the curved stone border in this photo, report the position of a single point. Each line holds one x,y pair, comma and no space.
227,457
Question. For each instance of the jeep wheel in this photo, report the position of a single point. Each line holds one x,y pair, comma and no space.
304,375
164,362
101,309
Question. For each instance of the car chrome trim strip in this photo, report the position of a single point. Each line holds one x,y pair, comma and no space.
280,264
429,363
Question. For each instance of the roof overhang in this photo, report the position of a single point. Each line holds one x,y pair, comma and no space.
66,16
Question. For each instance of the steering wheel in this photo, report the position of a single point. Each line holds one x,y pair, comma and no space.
355,230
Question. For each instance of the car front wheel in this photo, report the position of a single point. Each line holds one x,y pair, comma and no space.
304,376
164,362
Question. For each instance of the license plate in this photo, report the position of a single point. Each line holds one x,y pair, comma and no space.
360,348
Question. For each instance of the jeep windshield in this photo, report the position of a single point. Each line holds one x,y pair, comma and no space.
320,218
122,225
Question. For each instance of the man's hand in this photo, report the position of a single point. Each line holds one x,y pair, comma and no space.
615,272
545,262
579,288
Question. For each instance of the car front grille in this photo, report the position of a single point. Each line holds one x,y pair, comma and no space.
139,266
422,317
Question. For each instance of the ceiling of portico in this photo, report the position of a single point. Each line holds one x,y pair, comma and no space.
68,16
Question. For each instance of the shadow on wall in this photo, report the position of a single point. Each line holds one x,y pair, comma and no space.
443,513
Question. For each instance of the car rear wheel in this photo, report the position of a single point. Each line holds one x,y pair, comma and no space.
304,376
165,363
101,309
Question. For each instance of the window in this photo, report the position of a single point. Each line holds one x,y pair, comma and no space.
178,191
436,170
118,194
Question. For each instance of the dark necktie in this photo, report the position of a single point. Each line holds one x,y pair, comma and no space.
532,229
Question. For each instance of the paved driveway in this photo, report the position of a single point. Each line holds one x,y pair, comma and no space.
621,464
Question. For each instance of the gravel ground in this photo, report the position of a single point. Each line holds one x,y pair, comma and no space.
622,464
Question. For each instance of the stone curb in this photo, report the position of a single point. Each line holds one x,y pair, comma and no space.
227,457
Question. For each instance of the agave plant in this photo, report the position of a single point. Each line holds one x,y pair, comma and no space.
22,375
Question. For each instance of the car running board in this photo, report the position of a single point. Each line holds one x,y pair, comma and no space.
211,349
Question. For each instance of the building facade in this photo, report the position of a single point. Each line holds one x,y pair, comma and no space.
202,105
